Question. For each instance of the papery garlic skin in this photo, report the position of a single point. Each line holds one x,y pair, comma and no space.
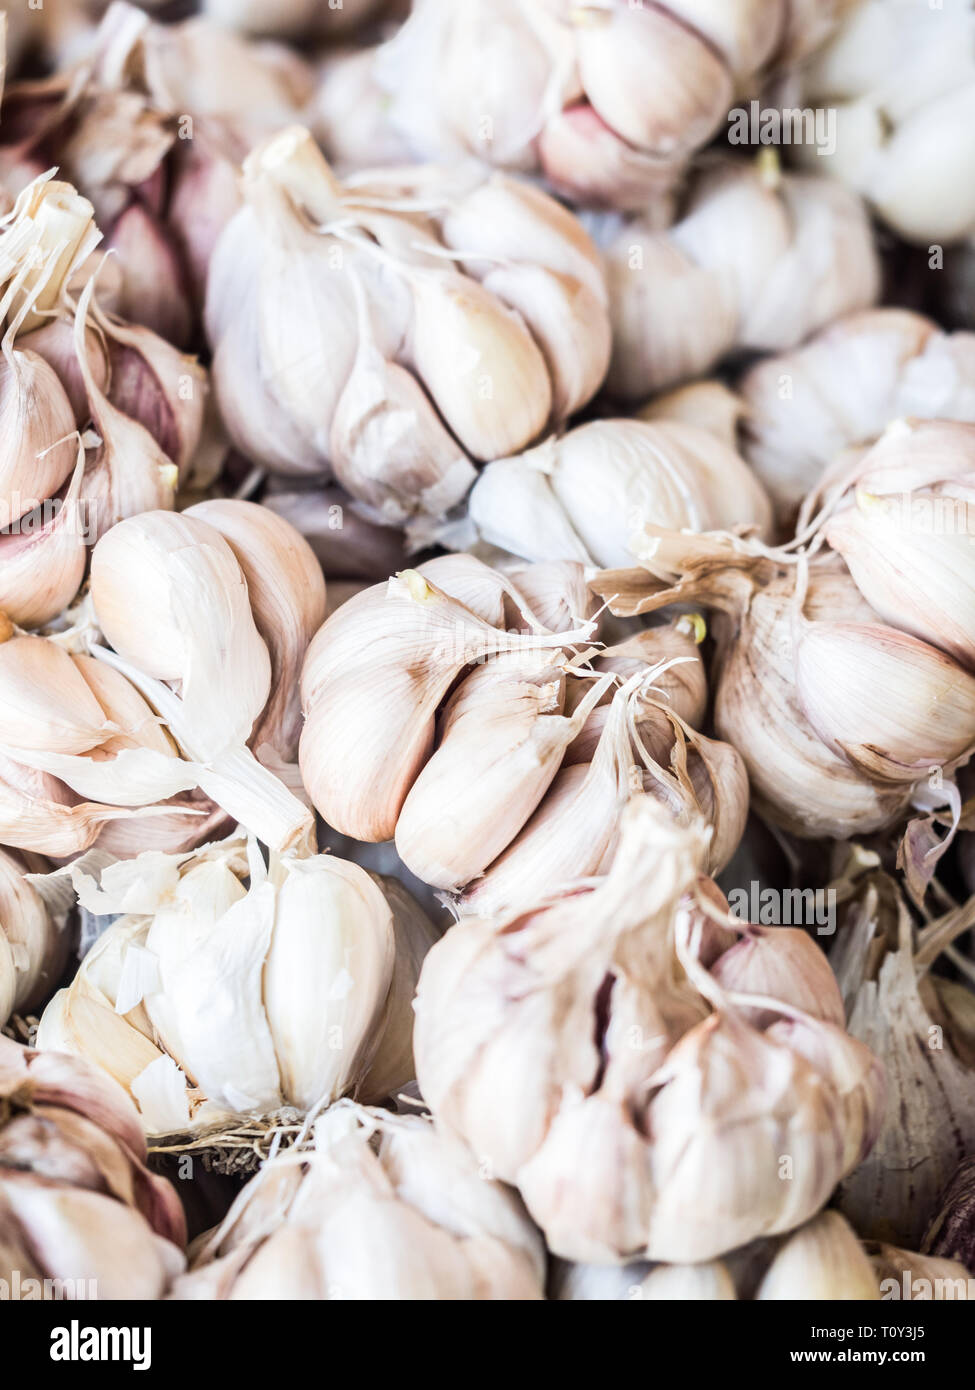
734,272
583,496
674,1123
843,388
382,1207
80,1206
211,1001
447,340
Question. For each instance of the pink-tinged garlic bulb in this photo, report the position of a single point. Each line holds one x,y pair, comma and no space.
83,1215
756,260
683,1107
607,100
379,1206
584,495
151,122
901,80
839,391
844,723
395,329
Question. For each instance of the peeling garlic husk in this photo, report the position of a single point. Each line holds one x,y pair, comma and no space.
582,496
930,1125
301,959
734,272
842,389
433,364
715,1098
381,1207
80,1206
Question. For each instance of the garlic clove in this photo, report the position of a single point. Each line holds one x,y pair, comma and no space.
823,1260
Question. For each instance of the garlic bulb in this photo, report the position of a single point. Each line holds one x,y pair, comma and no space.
410,365
902,79
952,1228
381,1207
83,1215
673,1105
34,938
382,663
147,578
757,260
818,765
348,114
905,531
210,1000
582,496
843,388
610,100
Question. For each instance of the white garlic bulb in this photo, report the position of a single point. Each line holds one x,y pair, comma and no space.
381,1207
901,78
757,260
842,389
211,1000
83,1215
454,320
583,496
683,1114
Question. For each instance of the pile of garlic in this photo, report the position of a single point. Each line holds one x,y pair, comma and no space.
551,541
83,1217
